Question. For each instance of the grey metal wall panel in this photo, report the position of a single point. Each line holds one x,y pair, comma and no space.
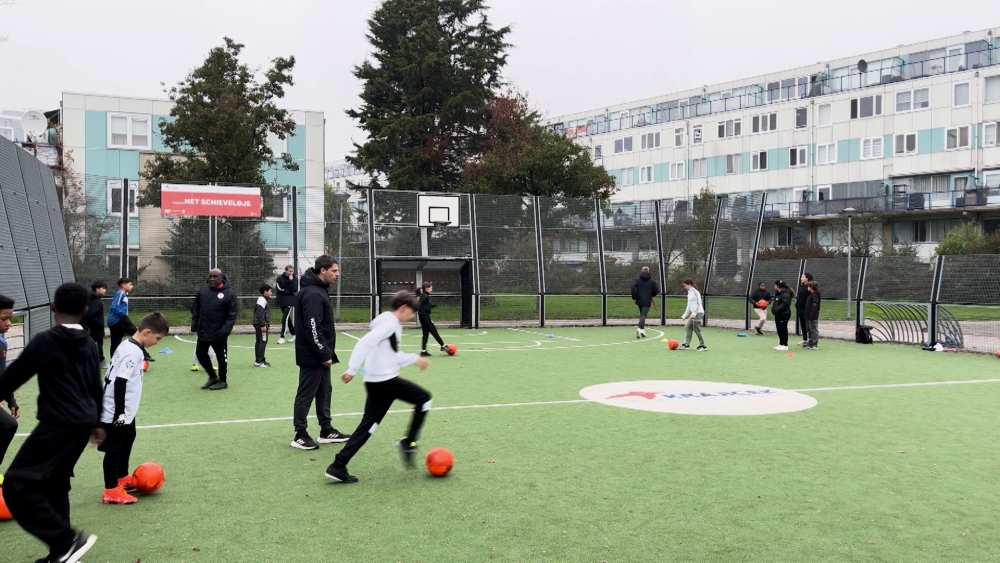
22,232
56,222
40,220
39,320
10,273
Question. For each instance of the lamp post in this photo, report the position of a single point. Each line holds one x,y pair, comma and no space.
849,212
341,198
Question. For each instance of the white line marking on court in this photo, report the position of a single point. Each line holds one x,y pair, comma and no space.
659,335
557,337
894,385
349,335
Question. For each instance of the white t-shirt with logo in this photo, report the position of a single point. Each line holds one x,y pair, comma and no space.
125,364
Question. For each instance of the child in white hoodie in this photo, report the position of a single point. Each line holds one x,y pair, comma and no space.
379,350
693,315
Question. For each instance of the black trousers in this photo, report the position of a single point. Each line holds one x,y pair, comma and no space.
37,483
287,321
781,325
8,427
428,328
119,331
117,448
381,395
97,335
643,311
314,385
260,345
201,351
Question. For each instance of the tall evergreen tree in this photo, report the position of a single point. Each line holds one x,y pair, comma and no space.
434,66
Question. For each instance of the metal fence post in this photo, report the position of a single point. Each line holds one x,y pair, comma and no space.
753,260
123,265
600,261
932,333
711,260
540,256
859,295
295,238
659,254
475,261
373,279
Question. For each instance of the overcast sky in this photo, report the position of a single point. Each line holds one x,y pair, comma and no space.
568,55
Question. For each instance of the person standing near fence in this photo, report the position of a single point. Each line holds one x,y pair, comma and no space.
287,287
427,327
118,321
644,289
94,319
755,297
261,326
692,316
800,307
782,311
813,302
212,319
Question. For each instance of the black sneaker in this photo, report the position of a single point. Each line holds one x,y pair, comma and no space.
444,347
425,354
304,442
757,328
332,436
340,475
211,381
219,386
149,358
81,544
407,451
702,348
685,346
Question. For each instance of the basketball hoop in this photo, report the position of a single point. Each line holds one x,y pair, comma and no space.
440,225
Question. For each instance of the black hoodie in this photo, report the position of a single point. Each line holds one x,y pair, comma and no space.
782,307
644,289
94,319
425,304
813,301
214,312
315,337
285,290
801,296
69,377
757,295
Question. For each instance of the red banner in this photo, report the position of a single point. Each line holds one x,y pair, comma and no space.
202,201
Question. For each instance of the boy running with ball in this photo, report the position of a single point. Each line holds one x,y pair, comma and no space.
122,392
379,351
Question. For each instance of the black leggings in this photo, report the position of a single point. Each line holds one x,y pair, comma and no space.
428,328
782,326
380,397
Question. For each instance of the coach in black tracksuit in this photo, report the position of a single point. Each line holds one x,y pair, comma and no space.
213,315
286,287
93,320
314,354
424,317
800,306
644,289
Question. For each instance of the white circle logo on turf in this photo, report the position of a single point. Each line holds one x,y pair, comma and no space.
698,397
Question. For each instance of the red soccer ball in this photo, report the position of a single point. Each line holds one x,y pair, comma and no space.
451,349
673,344
439,462
762,303
149,477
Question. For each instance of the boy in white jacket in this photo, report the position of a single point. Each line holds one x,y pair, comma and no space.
379,350
693,315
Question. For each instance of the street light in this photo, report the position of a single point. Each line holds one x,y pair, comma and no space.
849,212
341,198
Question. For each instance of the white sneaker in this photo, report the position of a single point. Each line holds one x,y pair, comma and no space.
642,332
637,332
781,348
281,341
292,339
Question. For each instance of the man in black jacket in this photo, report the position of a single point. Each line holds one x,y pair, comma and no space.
424,317
644,289
37,483
94,319
315,353
286,286
800,307
213,315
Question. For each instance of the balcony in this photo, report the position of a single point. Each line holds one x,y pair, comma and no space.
925,201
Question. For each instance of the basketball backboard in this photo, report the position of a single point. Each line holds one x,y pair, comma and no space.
438,209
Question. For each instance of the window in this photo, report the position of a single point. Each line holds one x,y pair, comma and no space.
699,168
765,122
796,157
276,212
734,164
961,95
992,91
825,115
956,138
910,100
598,150
679,137
826,153
7,133
626,177
676,170
990,134
730,128
277,145
696,135
955,60
801,117
115,198
645,174
871,148
128,131
758,161
824,235
866,106
650,140
905,143
623,145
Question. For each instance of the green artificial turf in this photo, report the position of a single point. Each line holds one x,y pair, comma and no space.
876,474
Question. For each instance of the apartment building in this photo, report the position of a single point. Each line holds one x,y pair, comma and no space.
909,133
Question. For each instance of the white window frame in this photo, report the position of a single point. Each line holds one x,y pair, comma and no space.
284,209
627,177
645,174
7,133
277,145
755,161
129,118
996,129
678,137
678,170
697,135
734,163
985,84
958,137
878,106
650,140
624,150
948,56
872,141
819,113
764,119
801,157
731,128
805,111
694,168
133,188
954,87
831,154
913,100
896,144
